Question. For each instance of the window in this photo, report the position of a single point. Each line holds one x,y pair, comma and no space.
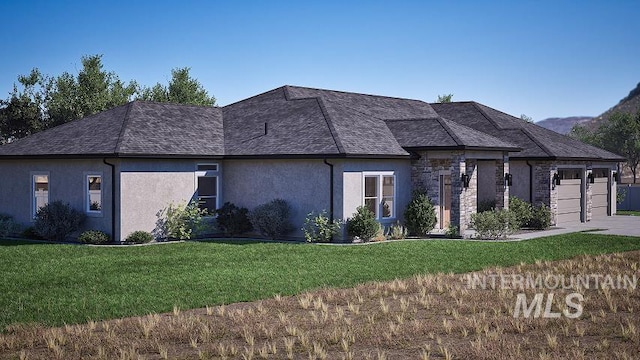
40,187
207,186
379,194
94,193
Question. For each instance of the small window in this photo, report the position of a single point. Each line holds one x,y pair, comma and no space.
40,192
94,193
208,193
379,195
207,167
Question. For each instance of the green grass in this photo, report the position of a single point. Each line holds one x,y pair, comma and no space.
54,284
628,212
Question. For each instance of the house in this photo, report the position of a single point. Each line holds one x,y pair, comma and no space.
317,149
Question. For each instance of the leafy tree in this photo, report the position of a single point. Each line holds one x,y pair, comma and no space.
39,101
621,135
91,91
445,98
585,135
182,89
526,118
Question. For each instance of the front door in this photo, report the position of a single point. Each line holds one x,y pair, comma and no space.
445,201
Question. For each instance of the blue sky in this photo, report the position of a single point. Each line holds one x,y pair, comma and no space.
539,58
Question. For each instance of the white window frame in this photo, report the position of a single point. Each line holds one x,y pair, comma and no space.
87,195
208,173
380,175
33,174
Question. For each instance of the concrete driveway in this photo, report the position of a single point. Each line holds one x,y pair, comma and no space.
615,225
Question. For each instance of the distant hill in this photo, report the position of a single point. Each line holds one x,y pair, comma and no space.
630,104
563,125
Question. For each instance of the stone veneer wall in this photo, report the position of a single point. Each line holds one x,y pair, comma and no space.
425,175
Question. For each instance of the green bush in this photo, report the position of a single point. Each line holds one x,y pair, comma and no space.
420,215
272,219
30,233
540,217
522,211
486,205
8,226
139,237
233,220
495,224
363,224
397,232
94,237
56,220
319,228
452,232
181,222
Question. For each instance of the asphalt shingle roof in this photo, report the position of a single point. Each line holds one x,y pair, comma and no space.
135,129
298,121
535,141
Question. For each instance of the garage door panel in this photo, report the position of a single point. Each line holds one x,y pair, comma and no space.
569,201
600,198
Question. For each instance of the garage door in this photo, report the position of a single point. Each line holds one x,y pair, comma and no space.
569,197
600,194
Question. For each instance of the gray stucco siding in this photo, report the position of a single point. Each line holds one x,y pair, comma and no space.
521,180
304,184
66,183
148,186
352,177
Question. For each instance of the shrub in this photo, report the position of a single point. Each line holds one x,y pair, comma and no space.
495,224
94,237
621,195
8,226
181,222
139,237
363,224
380,235
486,205
522,211
540,217
319,228
56,220
397,232
30,233
452,232
233,220
420,215
272,219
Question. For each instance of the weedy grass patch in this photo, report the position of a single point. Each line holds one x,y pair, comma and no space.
423,316
52,284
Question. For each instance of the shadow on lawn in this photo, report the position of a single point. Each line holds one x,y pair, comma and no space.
248,241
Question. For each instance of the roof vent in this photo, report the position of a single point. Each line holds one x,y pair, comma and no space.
266,128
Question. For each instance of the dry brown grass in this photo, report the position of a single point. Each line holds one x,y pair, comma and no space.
425,317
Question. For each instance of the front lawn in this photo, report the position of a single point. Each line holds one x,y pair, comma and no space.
55,284
628,212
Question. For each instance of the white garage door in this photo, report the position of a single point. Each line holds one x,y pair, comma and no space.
599,194
569,197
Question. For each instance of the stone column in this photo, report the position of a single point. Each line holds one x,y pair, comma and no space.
544,191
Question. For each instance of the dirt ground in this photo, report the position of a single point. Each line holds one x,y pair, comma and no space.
442,316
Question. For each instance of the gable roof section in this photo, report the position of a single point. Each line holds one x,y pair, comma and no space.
440,133
135,129
535,141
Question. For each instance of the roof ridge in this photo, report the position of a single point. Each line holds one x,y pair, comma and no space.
125,122
351,92
444,123
533,138
332,129
255,96
493,122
